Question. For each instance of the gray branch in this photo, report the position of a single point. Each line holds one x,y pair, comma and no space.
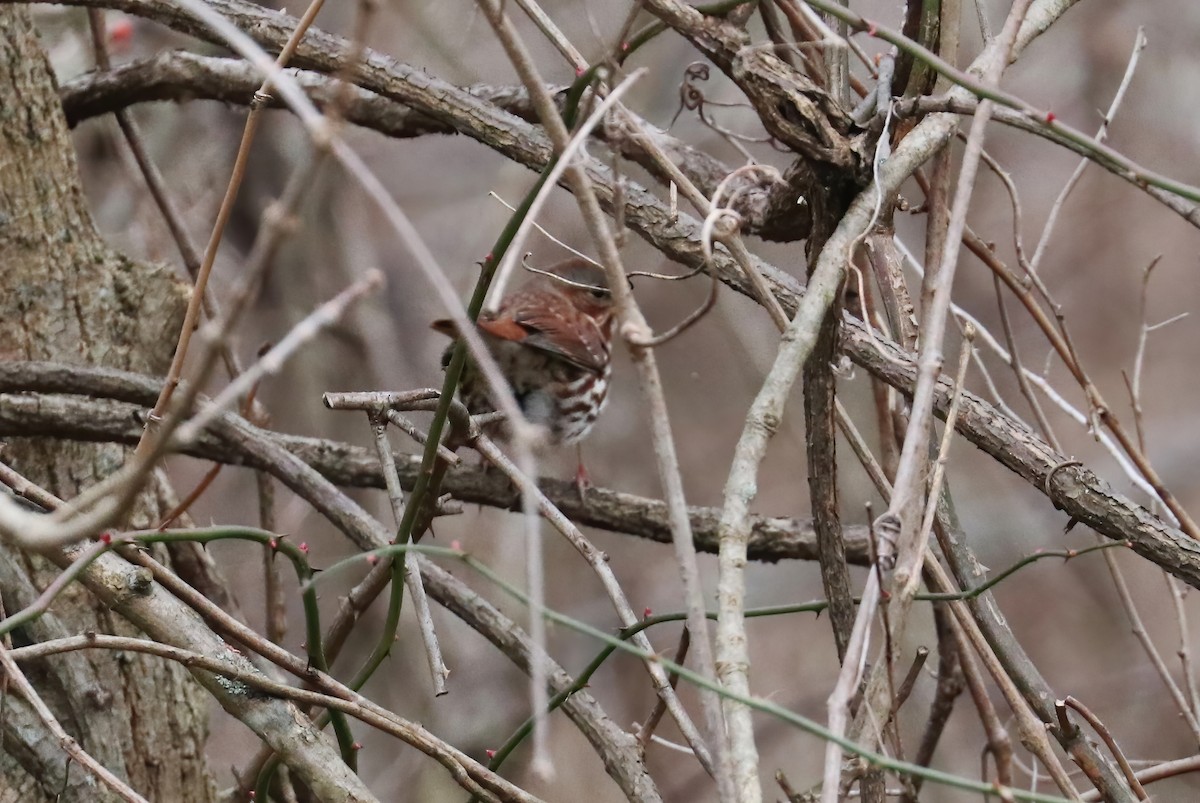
119,402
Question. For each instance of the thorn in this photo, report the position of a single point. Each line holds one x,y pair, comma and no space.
1050,118
490,753
646,613
106,538
872,29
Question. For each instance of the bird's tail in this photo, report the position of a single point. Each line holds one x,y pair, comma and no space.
444,326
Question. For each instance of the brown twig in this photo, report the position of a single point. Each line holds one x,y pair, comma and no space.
950,684
209,477
910,680
692,317
646,731
1147,643
192,316
1158,772
1026,691
632,320
13,675
998,742
598,563
1107,737
1019,370
979,621
474,777
904,513
771,538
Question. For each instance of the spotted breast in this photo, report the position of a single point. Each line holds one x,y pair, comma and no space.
552,339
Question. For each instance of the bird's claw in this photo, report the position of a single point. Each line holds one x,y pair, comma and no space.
583,483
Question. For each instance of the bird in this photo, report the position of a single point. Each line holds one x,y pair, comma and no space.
552,339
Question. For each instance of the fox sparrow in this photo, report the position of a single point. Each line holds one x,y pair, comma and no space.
552,339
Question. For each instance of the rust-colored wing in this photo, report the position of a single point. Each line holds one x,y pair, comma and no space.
548,322
503,328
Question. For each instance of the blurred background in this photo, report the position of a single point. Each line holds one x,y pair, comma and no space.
1065,614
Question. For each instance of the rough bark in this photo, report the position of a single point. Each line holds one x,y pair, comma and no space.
65,295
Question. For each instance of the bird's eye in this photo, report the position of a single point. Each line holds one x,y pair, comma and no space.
598,292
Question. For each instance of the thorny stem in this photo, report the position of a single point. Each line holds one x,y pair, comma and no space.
700,680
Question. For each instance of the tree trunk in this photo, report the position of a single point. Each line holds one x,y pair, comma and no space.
66,296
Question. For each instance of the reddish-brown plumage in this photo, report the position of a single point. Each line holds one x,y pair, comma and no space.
552,339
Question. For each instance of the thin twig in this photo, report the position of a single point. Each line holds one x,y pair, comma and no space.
1185,649
192,315
273,361
599,564
1014,360
692,317
1031,730
14,675
1039,119
156,183
646,731
998,742
407,427
943,454
412,573
1143,637
474,777
1139,44
1128,468
1113,747
1167,769
633,321
904,512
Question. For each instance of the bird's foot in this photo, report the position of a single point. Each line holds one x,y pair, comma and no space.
583,482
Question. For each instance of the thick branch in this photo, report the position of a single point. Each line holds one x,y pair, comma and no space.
1073,488
477,118
768,209
117,412
1077,491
